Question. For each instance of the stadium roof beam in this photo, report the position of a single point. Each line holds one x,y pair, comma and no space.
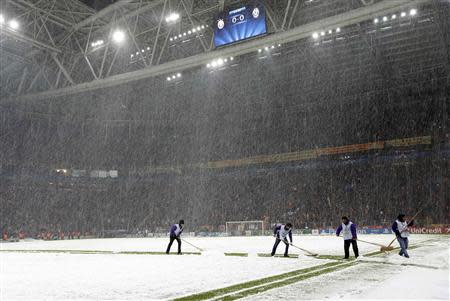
24,38
304,31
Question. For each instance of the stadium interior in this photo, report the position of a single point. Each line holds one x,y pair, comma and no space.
107,122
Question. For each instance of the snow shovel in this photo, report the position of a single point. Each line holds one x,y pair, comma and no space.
200,249
383,247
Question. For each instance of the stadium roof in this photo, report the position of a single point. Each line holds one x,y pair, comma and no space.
63,47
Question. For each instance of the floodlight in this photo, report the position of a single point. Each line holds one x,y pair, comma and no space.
413,12
148,48
14,24
338,29
143,50
259,50
384,19
184,33
189,32
322,33
171,39
208,65
403,14
198,28
203,26
173,76
330,31
375,21
315,35
172,17
168,78
178,74
2,19
118,36
394,17
231,58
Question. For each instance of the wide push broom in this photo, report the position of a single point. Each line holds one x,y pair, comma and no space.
200,249
383,248
304,250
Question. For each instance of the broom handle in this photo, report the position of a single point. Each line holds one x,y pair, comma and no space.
405,228
304,250
192,245
371,243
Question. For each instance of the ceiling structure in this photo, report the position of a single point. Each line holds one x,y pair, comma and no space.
64,47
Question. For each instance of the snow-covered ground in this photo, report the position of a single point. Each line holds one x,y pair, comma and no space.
63,276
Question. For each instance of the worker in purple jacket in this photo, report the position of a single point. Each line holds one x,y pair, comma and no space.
281,233
175,233
348,230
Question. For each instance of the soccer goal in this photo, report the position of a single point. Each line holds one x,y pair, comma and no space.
244,228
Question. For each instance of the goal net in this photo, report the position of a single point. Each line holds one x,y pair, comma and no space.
244,228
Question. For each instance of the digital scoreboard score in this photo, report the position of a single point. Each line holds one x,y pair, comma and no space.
239,24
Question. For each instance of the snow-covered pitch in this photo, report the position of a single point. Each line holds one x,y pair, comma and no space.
95,269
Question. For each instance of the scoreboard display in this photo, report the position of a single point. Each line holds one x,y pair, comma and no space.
241,23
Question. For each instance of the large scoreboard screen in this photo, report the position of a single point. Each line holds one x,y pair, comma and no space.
237,24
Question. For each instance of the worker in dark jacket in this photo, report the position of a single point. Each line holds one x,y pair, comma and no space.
400,228
175,232
281,233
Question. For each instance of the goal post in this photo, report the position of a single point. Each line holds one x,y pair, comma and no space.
244,228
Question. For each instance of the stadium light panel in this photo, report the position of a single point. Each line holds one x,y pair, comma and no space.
118,36
173,17
13,24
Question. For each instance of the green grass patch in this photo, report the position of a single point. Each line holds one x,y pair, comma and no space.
260,289
253,283
97,252
60,251
237,254
277,255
